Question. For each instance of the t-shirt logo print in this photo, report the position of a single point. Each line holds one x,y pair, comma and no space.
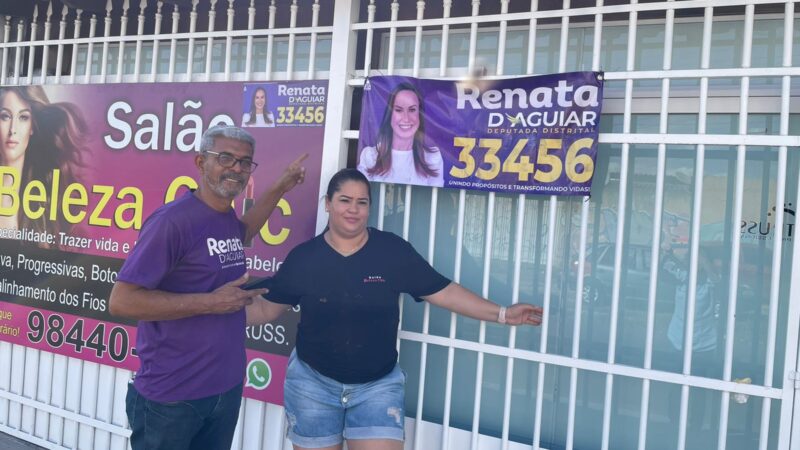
229,251
374,279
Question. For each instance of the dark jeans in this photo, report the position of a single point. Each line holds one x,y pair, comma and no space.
206,423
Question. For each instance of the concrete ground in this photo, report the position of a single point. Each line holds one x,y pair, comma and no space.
8,442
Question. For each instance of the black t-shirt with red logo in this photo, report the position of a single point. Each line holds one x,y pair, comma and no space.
349,304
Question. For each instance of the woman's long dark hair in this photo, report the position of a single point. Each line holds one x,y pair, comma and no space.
264,114
385,135
57,142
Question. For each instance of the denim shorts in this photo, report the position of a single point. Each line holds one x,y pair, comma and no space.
321,412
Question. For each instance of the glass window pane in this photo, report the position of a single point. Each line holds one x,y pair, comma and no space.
687,38
238,56
280,55
767,48
80,63
199,57
726,43
516,60
615,47
546,55
650,47
579,49
796,38
323,56
145,58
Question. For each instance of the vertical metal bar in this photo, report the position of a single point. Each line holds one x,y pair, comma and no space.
548,290
312,49
370,33
173,45
658,212
551,237
448,387
512,337
105,404
270,39
18,50
58,397
688,339
90,48
576,330
76,33
62,29
17,377
190,49
29,377
425,323
418,38
248,60
447,4
46,49
381,204
6,37
87,402
445,438
392,37
251,420
423,358
45,372
620,236
406,226
788,439
487,267
212,15
473,37
774,300
123,30
5,379
32,47
722,436
292,39
137,64
229,41
512,332
156,33
72,400
473,45
791,358
777,249
106,34
733,282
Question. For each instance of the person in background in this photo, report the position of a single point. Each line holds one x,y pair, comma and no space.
706,358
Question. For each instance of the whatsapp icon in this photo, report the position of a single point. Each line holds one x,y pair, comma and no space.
258,374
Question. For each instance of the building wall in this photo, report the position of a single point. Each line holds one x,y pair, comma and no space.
699,136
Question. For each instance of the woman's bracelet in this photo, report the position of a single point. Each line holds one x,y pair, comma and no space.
501,316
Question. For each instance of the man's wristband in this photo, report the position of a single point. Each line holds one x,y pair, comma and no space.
501,315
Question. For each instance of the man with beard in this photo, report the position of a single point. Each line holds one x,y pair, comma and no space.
182,283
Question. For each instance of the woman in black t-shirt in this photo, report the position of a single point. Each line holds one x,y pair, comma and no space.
343,381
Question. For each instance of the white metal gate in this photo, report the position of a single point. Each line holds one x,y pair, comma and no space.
701,129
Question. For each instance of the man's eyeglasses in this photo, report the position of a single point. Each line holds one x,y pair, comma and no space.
227,161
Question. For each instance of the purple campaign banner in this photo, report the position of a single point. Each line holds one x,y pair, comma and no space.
86,165
530,135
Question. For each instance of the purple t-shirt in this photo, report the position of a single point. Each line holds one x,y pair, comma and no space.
188,247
